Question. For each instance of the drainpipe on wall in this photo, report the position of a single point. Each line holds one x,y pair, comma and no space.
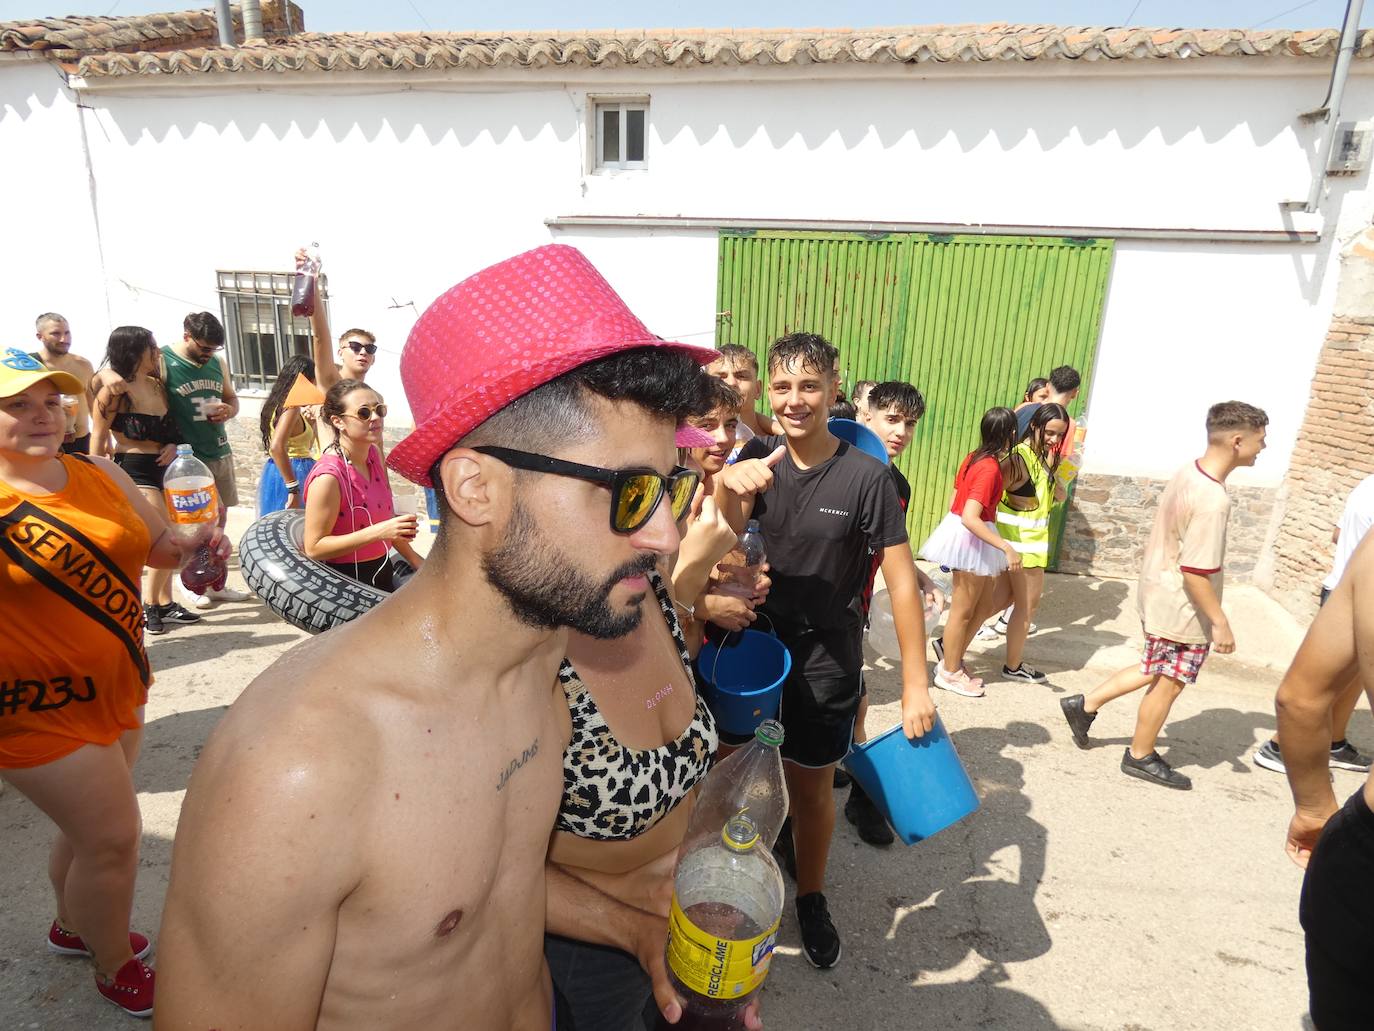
1331,109
252,19
225,23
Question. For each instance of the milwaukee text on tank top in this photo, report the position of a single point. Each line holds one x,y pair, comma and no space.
191,391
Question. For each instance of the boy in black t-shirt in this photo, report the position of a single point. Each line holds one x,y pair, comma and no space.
823,507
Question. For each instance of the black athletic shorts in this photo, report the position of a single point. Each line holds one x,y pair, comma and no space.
375,572
1337,912
820,697
142,469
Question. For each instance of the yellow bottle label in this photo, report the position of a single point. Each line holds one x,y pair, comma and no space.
718,968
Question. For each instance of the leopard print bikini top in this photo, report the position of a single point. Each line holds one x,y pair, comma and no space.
611,792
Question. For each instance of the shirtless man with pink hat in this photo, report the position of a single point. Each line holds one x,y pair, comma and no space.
363,841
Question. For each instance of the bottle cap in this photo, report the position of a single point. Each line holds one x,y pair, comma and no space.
740,833
770,733
183,449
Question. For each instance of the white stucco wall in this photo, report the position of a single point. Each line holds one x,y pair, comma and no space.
409,184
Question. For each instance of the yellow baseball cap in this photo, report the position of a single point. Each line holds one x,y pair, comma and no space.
19,371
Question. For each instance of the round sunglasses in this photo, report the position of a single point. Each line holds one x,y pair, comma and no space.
635,493
365,412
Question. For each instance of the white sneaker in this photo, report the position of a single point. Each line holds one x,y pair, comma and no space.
959,682
228,594
987,633
193,601
1002,626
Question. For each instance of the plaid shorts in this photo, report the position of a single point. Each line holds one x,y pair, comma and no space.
1177,661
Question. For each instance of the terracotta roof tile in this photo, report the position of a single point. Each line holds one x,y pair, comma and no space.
186,44
150,32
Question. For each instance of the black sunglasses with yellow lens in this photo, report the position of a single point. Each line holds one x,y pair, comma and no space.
635,493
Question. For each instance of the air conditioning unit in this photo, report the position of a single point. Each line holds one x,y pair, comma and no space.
1350,152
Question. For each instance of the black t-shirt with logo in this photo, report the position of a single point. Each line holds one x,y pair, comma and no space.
820,526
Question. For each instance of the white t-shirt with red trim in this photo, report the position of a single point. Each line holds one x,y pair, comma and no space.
1189,535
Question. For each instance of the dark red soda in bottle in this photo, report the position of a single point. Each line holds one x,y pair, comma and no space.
204,571
303,286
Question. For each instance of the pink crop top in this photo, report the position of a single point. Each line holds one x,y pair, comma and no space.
362,502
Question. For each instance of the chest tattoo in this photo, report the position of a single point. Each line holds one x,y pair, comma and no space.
517,762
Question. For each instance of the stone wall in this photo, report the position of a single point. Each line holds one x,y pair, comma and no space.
1335,448
1109,521
249,457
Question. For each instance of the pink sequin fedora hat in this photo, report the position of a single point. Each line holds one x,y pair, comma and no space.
503,332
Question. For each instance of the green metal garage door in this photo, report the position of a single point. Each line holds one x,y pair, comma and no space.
967,319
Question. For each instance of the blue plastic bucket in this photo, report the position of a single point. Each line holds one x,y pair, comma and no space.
742,683
860,436
920,786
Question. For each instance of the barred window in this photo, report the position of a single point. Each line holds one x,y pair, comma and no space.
260,331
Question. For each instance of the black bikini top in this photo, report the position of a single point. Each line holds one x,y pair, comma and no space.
159,429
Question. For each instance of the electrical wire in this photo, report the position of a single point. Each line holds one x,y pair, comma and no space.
1133,10
1290,10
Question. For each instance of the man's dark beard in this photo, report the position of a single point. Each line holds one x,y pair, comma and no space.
546,592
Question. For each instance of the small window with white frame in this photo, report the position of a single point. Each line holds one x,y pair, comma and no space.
619,133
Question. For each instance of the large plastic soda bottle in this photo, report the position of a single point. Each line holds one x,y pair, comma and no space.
727,903
303,286
748,781
192,501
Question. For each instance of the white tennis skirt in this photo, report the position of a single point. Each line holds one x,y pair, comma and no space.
952,545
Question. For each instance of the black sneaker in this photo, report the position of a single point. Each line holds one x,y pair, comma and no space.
937,644
820,940
866,817
1153,768
1344,756
784,851
1079,721
842,777
174,613
1024,672
152,619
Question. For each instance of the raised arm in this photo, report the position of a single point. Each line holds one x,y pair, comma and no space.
322,346
261,864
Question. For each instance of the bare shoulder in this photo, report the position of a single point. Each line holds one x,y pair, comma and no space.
300,720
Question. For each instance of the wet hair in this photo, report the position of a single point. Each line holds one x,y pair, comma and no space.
807,350
844,410
48,316
738,354
286,379
1035,432
356,333
720,397
1034,387
998,431
896,394
1235,415
662,382
204,327
1064,379
125,349
860,387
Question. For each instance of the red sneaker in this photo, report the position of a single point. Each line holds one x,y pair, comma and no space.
131,990
67,943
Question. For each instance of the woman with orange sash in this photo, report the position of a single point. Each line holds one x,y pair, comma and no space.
75,534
